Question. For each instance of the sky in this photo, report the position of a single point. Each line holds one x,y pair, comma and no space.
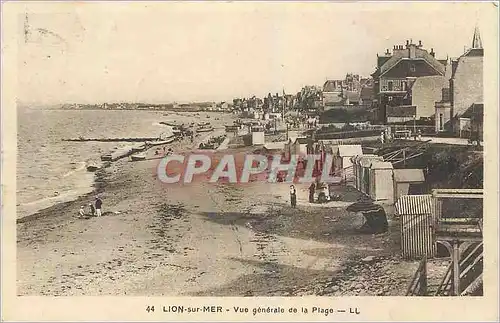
165,52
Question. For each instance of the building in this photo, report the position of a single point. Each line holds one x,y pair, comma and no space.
408,77
470,123
406,178
366,96
332,93
296,146
380,181
443,112
466,83
462,100
400,114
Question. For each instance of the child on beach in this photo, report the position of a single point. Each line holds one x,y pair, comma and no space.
81,213
293,196
98,206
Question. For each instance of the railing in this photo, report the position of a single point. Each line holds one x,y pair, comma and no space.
418,285
467,264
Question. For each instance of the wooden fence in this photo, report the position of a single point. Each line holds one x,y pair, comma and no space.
418,284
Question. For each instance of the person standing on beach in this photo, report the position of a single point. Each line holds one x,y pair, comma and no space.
293,196
312,189
98,206
92,209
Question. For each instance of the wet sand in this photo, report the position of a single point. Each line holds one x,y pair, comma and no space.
201,239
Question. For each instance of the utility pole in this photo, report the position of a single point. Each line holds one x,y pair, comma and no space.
415,126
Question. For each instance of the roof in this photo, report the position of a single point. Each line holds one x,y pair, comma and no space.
381,60
357,158
331,85
414,204
275,145
474,52
366,161
404,54
349,150
409,175
401,111
475,111
300,140
443,61
378,164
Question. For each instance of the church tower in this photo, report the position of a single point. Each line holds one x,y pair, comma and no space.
476,40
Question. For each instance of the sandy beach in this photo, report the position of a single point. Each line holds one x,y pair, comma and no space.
203,239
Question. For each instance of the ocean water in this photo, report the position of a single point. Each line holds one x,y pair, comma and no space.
50,170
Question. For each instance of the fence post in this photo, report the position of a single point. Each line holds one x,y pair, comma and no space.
424,277
456,268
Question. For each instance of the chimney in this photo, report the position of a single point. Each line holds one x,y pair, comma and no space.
407,43
432,52
419,43
394,47
387,52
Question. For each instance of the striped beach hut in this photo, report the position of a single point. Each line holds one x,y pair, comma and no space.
417,226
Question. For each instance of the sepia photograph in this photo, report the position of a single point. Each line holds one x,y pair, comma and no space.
252,150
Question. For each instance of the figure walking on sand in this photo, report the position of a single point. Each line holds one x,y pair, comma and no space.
98,206
293,196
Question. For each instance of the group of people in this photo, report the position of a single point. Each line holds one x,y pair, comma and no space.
93,209
312,190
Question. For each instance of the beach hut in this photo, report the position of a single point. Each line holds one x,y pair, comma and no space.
365,163
357,169
403,178
417,226
380,181
258,137
342,158
296,146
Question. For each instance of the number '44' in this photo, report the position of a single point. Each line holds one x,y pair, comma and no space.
150,309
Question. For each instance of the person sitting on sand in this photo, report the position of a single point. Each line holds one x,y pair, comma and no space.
81,213
98,206
92,209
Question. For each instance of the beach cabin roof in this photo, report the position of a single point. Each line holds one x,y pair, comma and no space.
280,145
357,158
366,161
349,150
299,140
376,164
409,175
414,204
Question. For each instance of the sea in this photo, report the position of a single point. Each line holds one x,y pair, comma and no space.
50,170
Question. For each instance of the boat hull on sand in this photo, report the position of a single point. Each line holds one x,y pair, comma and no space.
138,157
161,142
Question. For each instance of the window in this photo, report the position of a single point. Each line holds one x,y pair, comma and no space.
441,126
389,85
412,68
389,98
403,86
